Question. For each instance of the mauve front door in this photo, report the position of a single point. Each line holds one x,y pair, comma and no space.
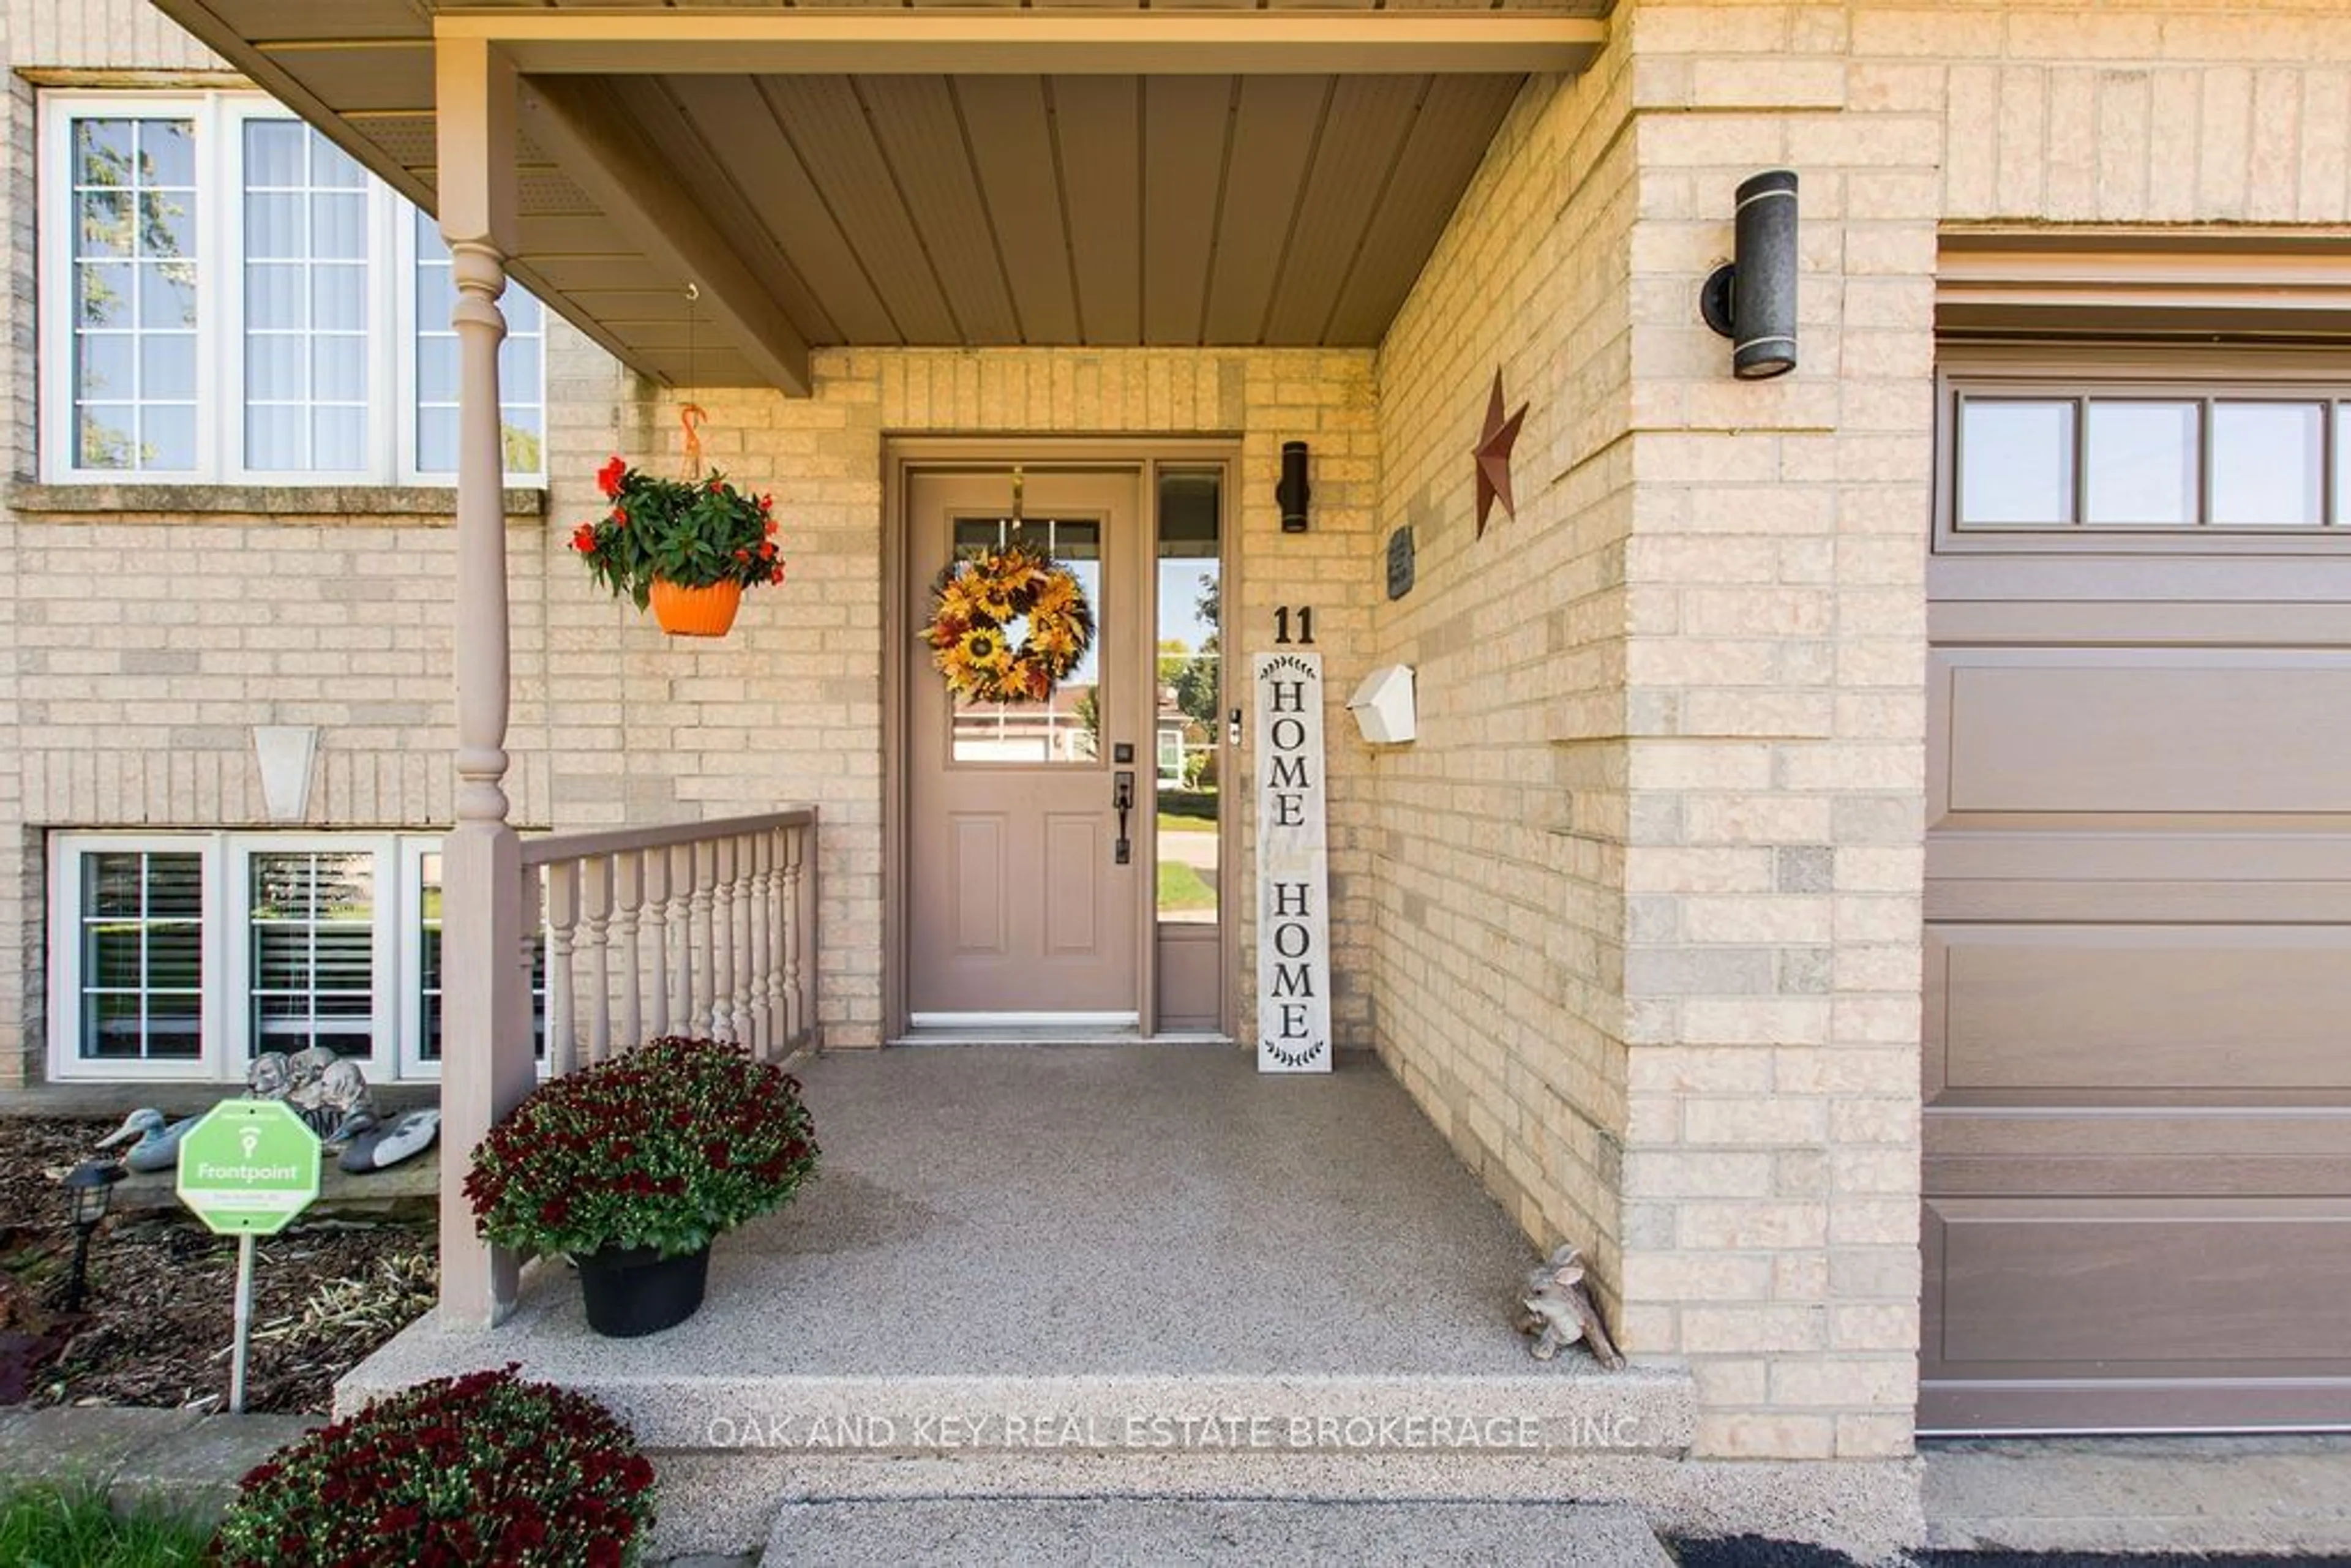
1021,912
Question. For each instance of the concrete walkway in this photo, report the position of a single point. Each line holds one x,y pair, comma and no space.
2287,1500
2283,1494
1153,1533
177,1460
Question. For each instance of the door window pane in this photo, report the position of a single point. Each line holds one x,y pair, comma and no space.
2016,462
141,955
134,213
1066,728
2142,463
1189,693
313,951
2268,462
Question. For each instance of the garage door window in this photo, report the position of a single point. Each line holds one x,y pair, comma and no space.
2123,458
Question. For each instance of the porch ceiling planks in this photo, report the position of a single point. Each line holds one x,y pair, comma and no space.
1112,210
1230,196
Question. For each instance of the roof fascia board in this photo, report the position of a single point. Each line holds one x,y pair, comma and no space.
1055,42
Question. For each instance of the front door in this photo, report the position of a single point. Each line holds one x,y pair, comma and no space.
1024,876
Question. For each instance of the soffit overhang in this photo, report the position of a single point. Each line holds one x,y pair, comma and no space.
938,175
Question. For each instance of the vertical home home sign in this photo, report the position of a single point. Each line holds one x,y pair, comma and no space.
1293,867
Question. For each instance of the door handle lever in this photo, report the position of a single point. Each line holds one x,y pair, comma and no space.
1121,800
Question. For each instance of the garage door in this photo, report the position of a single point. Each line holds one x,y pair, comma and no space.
2138,902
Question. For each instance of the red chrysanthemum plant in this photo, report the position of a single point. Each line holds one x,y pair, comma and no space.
662,1147
479,1470
694,533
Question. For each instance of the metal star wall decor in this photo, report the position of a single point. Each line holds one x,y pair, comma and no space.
1493,454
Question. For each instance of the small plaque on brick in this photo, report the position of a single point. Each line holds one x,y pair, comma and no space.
1400,562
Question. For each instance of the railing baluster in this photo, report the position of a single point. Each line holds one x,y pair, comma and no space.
681,915
762,943
656,874
596,884
628,885
705,860
562,913
722,926
739,847
778,936
796,889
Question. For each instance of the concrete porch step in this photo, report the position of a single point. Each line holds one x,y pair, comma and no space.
1558,1411
1148,1532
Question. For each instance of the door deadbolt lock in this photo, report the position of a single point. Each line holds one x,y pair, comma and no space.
1121,800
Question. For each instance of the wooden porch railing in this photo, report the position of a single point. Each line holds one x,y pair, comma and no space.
699,928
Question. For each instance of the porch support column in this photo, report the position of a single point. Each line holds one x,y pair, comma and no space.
486,1044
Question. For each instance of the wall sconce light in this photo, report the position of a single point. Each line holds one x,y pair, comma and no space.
1293,491
1752,301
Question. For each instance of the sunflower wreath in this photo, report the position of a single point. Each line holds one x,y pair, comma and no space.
976,605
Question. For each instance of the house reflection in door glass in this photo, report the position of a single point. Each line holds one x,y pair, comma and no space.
1067,726
1189,685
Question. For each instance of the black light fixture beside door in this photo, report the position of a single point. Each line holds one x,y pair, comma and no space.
1752,301
1293,492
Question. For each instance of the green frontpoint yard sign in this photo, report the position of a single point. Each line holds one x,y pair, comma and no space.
250,1167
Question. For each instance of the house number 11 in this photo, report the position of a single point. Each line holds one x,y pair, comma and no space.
1305,624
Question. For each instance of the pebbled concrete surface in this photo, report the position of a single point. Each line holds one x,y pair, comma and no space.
1049,1210
1147,1532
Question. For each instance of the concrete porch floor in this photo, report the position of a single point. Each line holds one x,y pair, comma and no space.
1139,1270
1032,1211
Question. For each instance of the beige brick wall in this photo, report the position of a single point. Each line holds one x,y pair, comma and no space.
1658,848
789,706
1499,832
132,694
1776,628
94,34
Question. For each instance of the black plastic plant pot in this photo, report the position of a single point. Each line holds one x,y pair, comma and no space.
633,1291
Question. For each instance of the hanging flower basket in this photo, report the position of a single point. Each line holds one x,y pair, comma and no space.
1008,626
695,612
668,535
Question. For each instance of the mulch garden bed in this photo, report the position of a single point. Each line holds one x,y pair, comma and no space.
156,1322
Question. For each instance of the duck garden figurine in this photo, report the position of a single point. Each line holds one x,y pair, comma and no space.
158,1148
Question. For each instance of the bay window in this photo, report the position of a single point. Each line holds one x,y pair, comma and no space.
243,303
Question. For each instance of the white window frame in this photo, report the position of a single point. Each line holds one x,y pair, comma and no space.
386,373
415,1067
64,967
219,119
227,1042
389,931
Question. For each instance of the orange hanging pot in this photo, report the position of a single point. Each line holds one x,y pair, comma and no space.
695,612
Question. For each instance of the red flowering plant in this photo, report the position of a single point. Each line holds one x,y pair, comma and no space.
481,1468
694,533
663,1146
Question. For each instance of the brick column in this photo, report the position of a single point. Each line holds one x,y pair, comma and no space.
1775,676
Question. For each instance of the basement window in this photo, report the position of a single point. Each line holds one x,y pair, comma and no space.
182,955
